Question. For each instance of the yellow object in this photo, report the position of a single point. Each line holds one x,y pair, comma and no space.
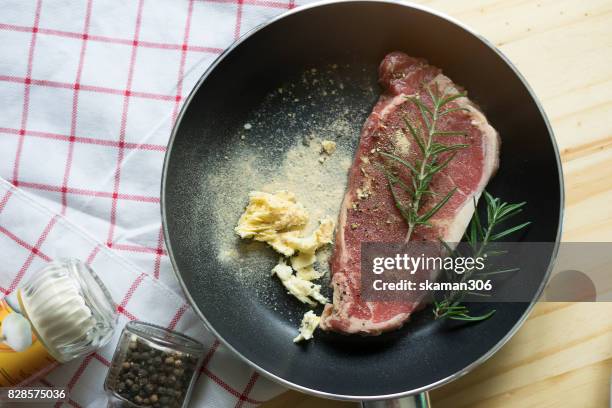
31,359
279,220
61,313
274,219
310,322
328,146
307,246
302,289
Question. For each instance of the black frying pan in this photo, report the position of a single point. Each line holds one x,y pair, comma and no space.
259,323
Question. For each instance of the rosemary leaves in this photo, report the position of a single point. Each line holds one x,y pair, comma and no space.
430,162
479,236
409,195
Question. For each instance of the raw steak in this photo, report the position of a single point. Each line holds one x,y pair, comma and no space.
368,212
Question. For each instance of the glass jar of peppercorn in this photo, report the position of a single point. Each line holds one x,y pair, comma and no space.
152,367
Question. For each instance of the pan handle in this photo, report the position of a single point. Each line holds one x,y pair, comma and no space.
414,401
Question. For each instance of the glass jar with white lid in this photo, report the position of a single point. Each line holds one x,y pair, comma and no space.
62,312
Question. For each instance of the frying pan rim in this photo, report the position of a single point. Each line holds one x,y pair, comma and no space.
451,377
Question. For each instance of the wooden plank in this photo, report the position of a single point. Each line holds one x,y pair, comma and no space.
537,353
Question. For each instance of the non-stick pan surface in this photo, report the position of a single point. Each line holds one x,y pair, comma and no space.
359,33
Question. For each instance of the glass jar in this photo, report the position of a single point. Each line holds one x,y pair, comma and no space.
61,313
153,367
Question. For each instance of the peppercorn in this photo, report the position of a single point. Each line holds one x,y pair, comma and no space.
153,377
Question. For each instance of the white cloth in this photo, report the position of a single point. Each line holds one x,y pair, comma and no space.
89,91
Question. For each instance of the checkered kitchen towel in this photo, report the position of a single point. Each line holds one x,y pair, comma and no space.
89,91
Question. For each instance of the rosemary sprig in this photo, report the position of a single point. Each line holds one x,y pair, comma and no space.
457,312
479,237
424,169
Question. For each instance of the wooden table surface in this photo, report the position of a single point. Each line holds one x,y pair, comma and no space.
562,356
